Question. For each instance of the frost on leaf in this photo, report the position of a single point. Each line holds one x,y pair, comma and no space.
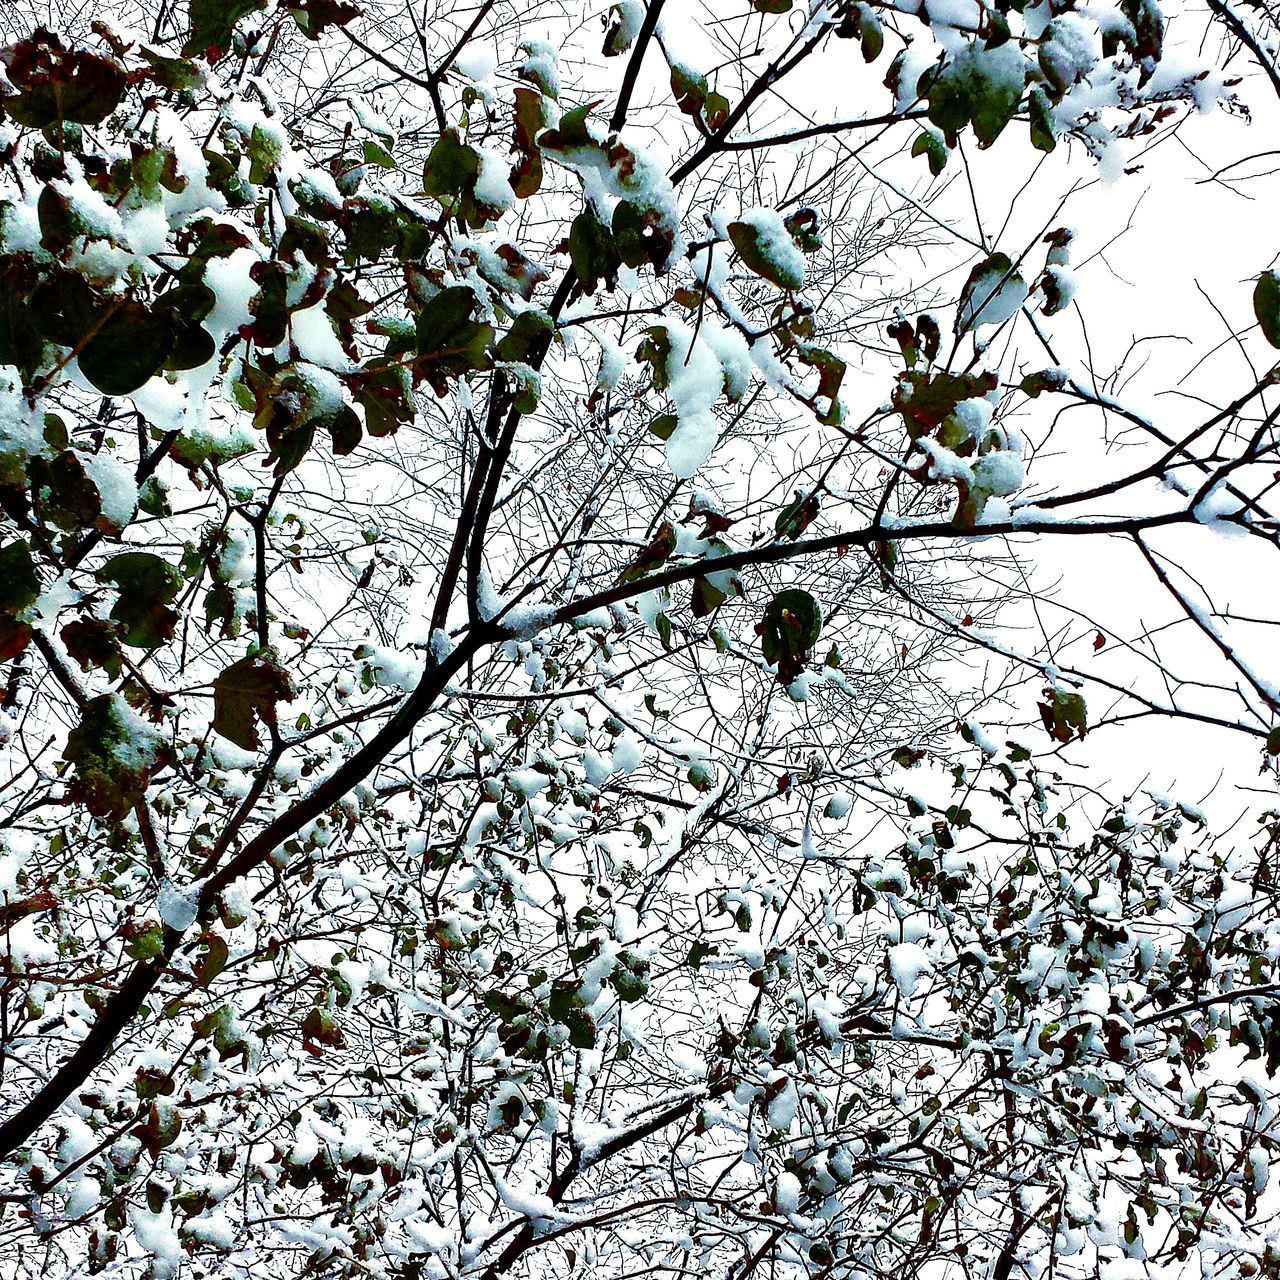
766,245
113,755
977,86
212,24
993,292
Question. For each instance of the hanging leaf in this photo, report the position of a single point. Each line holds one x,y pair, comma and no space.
249,691
769,250
93,642
707,597
529,120
314,17
57,84
1266,305
212,25
160,1129
653,556
796,516
978,85
993,292
593,252
113,756
450,343
146,585
931,145
831,370
213,960
19,582
790,628
1064,715
128,348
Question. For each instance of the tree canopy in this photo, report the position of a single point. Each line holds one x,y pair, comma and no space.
541,733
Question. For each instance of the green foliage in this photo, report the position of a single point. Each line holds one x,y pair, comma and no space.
451,343
113,756
756,248
248,693
510,882
146,587
212,25
789,629
1266,306
1064,715
977,86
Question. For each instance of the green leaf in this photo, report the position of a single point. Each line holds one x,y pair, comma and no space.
176,74
450,343
450,171
594,252
985,294
21,344
223,1028
831,370
146,585
1064,715
214,959
617,37
702,775
707,598
292,406
147,943
653,556
129,347
1273,742
92,642
796,516
113,755
376,154
870,32
582,1029
929,144
978,86
212,23
246,692
630,977
1042,380
790,628
755,247
160,1129
1266,305
1039,110
19,582
264,150
640,235
528,332
385,393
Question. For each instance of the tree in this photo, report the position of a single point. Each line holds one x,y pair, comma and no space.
509,576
